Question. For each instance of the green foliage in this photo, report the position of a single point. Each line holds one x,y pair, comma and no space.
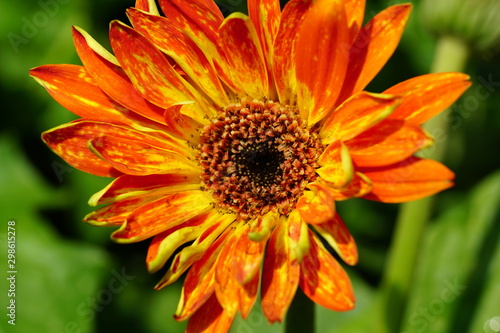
71,277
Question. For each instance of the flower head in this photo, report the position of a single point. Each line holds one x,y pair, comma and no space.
235,136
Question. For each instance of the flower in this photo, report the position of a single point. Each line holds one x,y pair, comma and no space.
235,136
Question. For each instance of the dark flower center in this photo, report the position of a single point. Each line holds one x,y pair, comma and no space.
258,157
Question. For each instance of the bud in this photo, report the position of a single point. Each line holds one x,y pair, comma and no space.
473,21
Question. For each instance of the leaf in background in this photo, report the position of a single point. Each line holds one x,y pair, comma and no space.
56,279
445,292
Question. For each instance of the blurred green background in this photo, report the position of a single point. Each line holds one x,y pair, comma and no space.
72,278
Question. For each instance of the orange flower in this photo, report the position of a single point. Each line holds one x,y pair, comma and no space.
237,135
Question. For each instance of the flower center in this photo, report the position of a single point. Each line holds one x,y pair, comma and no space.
258,157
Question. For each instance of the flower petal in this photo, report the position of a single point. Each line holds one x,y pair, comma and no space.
316,206
336,165
323,280
167,242
116,213
200,280
284,49
280,276
299,239
356,115
162,214
357,187
320,67
181,125
265,16
177,45
208,232
136,157
210,318
149,70
232,294
148,6
374,45
128,186
338,237
410,179
427,95
355,10
238,36
389,142
70,142
260,227
106,72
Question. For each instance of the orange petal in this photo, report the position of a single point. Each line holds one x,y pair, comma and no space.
162,214
280,276
128,186
284,49
148,6
167,242
200,280
389,142
208,233
210,318
232,294
177,45
298,236
410,179
374,45
336,165
239,38
70,142
265,16
338,237
356,115
260,227
106,72
147,68
357,187
355,11
135,157
203,31
320,67
427,95
182,126
316,206
323,280
116,213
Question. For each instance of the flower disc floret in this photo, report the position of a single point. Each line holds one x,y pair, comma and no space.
258,157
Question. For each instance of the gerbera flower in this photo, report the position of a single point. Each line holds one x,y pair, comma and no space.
232,138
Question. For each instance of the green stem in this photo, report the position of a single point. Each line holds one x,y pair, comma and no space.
300,315
450,56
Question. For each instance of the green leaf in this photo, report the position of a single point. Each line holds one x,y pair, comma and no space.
445,286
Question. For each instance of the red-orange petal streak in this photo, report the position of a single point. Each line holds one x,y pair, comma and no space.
426,95
162,214
356,115
316,206
233,295
410,179
338,237
284,49
200,280
210,318
135,157
320,67
323,280
147,68
374,45
110,77
389,142
280,276
239,38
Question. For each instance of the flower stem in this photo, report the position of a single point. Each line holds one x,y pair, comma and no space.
451,55
300,315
